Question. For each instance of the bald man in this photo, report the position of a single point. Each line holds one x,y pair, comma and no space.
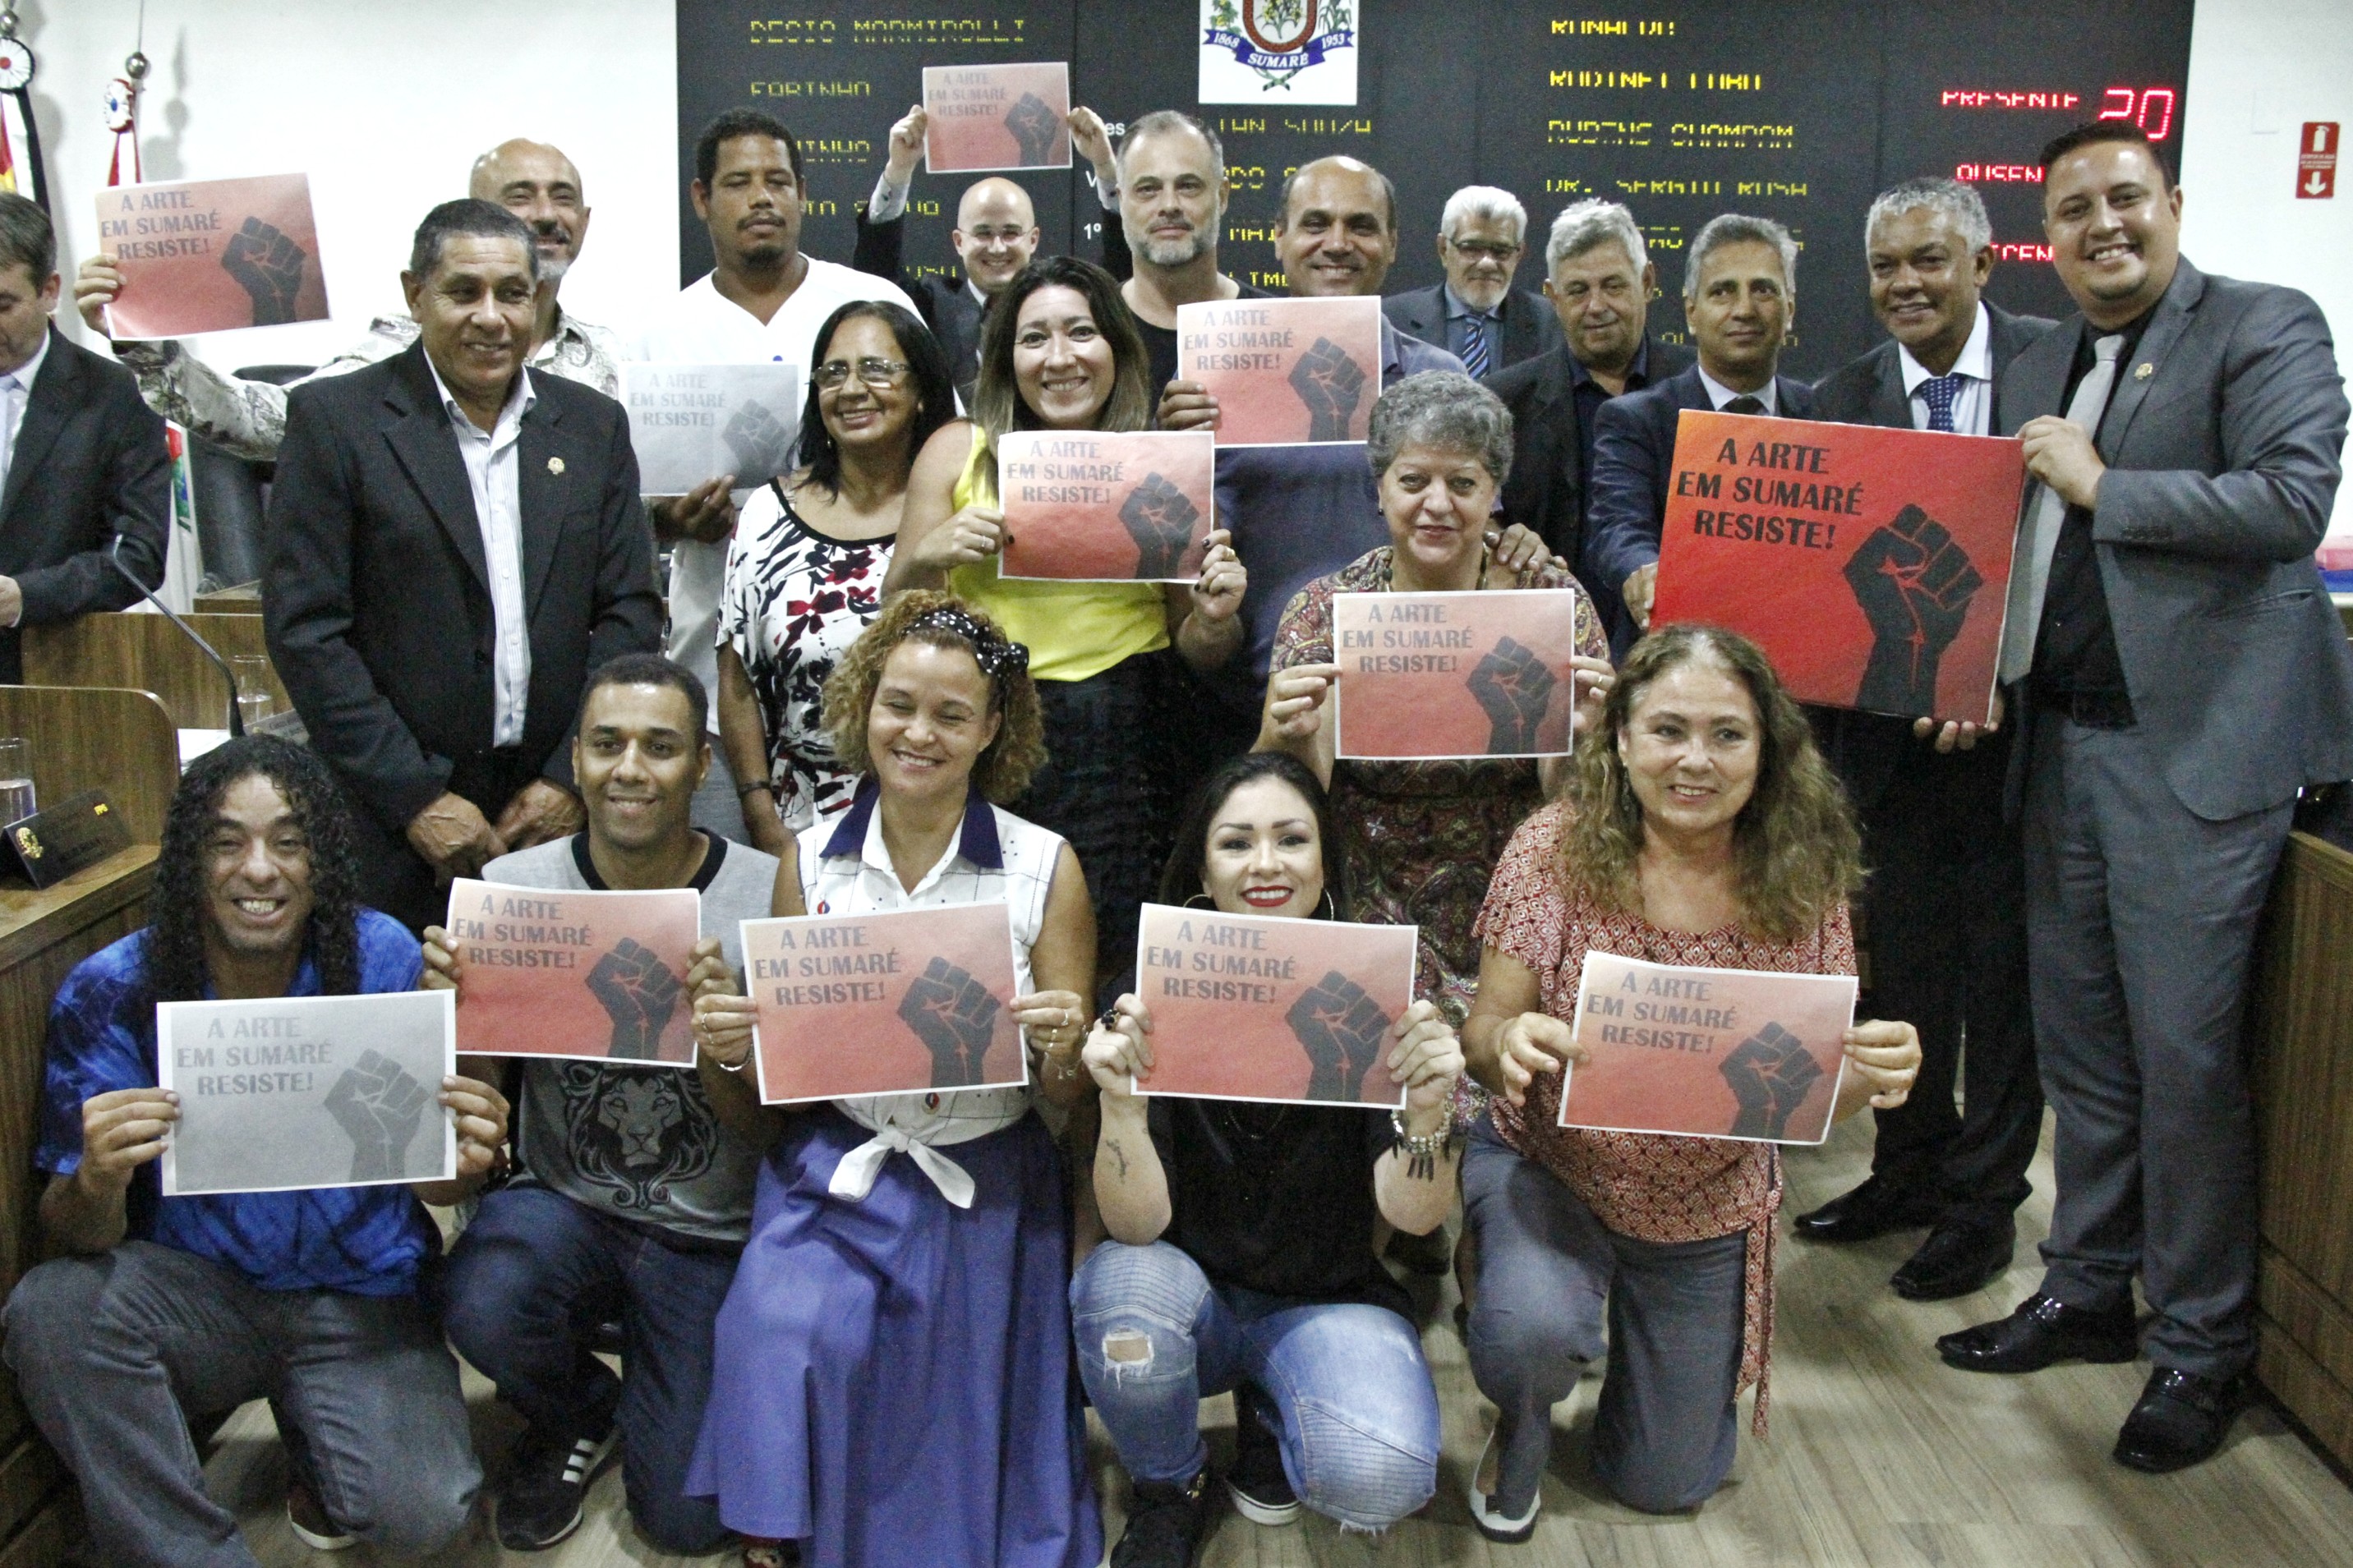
247,418
995,236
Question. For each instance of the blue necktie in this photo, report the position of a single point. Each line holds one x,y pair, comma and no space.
1941,392
1474,346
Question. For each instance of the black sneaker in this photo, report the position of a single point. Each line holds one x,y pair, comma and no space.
542,1501
1164,1525
1261,1492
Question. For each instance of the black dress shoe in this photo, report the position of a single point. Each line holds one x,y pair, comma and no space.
1871,1209
2181,1420
2043,1330
1960,1257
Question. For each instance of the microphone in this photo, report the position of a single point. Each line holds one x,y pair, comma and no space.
236,719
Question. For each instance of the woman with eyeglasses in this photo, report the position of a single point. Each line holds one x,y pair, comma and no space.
1059,351
804,575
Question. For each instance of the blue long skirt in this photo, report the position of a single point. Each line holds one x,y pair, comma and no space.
892,1382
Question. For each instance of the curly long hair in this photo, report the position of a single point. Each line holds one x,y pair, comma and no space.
1002,769
1182,878
176,953
1796,852
996,402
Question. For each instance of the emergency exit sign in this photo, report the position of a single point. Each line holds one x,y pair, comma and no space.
2316,163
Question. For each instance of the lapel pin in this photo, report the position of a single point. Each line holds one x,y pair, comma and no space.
555,465
2143,371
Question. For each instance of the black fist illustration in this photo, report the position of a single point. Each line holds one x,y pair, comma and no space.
1160,519
759,442
956,1018
378,1105
1033,123
1914,582
1514,686
640,992
1341,1028
268,267
1769,1072
1331,384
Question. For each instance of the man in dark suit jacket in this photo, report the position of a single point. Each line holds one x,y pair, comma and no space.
455,544
1476,315
1600,287
1740,297
82,461
2182,678
1944,911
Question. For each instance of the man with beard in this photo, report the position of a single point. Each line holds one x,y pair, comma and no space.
1476,315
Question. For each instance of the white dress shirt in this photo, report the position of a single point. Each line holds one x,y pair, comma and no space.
1973,406
493,467
16,394
1718,394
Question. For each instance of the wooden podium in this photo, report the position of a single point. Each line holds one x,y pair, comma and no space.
146,652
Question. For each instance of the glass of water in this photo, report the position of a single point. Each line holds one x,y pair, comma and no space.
253,700
16,781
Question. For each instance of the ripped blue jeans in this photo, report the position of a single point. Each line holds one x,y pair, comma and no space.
1359,1435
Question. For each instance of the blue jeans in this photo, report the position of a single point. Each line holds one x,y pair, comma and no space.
530,1280
1360,1415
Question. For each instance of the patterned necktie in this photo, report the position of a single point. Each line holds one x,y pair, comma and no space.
1942,393
1474,346
1746,403
2029,570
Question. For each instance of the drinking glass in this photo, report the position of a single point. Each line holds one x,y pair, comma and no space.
16,781
254,702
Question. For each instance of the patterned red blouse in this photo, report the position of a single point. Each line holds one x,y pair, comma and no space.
1645,1185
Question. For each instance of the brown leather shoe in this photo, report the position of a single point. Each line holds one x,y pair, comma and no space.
2043,1331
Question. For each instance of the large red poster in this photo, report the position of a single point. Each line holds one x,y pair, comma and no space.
1871,565
205,255
592,976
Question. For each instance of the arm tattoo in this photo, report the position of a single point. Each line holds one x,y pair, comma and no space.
1111,1147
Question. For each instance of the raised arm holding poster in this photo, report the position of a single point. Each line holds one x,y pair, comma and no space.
307,1091
1706,1053
1285,373
207,255
1871,565
691,423
1454,675
907,1001
586,976
1267,1008
984,118
1091,507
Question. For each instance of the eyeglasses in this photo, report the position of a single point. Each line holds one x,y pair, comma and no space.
873,372
1487,250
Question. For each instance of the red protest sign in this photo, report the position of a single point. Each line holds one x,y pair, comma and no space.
588,976
1454,675
1285,373
1262,1007
1871,565
1706,1053
205,255
984,118
901,1002
1087,507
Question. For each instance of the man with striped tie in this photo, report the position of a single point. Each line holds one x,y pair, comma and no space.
1476,315
1945,906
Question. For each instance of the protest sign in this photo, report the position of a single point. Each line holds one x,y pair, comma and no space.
1263,1007
205,255
1085,507
589,976
1454,675
1707,1053
1284,372
1871,565
307,1091
691,423
978,119
906,1002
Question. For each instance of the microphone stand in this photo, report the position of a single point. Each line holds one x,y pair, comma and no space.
235,718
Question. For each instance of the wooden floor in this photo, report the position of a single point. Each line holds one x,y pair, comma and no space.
1879,1455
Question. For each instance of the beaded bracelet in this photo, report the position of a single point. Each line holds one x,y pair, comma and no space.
1422,1154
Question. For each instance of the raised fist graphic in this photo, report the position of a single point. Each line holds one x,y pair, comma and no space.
1331,384
268,267
761,444
640,992
1769,1072
956,1018
378,1105
1341,1028
1033,123
1914,582
1514,687
1160,519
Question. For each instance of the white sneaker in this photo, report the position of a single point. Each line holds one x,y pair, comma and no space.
1492,1525
309,1523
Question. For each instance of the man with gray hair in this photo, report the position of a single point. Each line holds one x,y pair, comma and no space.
1945,906
1599,279
1476,315
1740,297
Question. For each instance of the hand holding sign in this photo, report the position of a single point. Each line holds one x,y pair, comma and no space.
1914,582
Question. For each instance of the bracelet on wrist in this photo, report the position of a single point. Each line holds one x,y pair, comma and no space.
1422,1152
747,791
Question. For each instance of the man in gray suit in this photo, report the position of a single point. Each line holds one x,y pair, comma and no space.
2177,675
1476,315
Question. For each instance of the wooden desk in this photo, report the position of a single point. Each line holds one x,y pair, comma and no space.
147,652
244,599
119,741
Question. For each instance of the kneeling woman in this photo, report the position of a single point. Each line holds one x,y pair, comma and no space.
892,1382
1243,1253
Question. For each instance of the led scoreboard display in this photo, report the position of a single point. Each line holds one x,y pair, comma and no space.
1799,111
